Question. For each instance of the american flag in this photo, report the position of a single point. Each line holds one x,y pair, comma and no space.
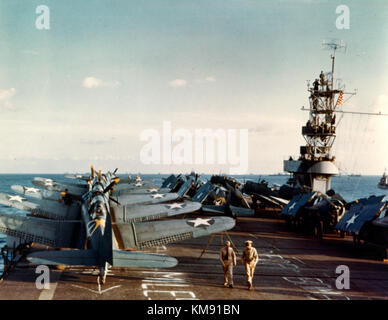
340,99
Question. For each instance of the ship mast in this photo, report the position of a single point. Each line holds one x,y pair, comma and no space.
316,165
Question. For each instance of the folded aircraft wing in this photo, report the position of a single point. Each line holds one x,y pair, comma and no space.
77,176
280,200
235,211
140,191
212,208
297,202
126,187
52,185
271,201
53,233
358,214
242,212
203,192
36,193
146,198
170,182
42,208
154,233
185,187
138,213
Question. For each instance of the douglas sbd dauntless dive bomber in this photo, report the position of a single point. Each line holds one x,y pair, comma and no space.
98,222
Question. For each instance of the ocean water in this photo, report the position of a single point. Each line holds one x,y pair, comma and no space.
350,187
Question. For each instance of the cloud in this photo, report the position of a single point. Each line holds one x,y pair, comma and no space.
8,105
7,94
183,83
92,82
210,79
177,83
206,80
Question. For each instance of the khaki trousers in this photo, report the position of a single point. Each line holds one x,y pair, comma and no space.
249,270
228,272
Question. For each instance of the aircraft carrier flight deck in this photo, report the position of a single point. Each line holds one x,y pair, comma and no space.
291,267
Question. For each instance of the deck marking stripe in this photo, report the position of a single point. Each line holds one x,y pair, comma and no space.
48,294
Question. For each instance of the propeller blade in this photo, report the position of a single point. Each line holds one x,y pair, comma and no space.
115,201
111,185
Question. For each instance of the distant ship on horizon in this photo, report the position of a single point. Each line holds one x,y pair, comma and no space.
383,184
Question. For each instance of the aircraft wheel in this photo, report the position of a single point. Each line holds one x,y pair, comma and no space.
102,276
319,229
103,273
356,240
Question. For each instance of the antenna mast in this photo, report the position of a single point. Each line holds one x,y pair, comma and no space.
333,44
316,164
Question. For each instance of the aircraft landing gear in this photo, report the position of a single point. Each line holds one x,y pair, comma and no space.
356,240
103,273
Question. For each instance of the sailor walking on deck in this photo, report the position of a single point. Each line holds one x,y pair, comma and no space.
249,260
228,261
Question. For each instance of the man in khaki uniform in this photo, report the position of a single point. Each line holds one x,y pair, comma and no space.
249,260
228,261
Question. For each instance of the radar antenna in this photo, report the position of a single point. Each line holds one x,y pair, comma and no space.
333,44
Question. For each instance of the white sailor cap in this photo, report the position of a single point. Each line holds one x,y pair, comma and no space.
248,241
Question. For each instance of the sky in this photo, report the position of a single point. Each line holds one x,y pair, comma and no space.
83,91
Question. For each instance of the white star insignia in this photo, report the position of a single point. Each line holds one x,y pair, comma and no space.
156,196
16,198
153,190
292,206
351,220
199,221
175,206
48,182
33,190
